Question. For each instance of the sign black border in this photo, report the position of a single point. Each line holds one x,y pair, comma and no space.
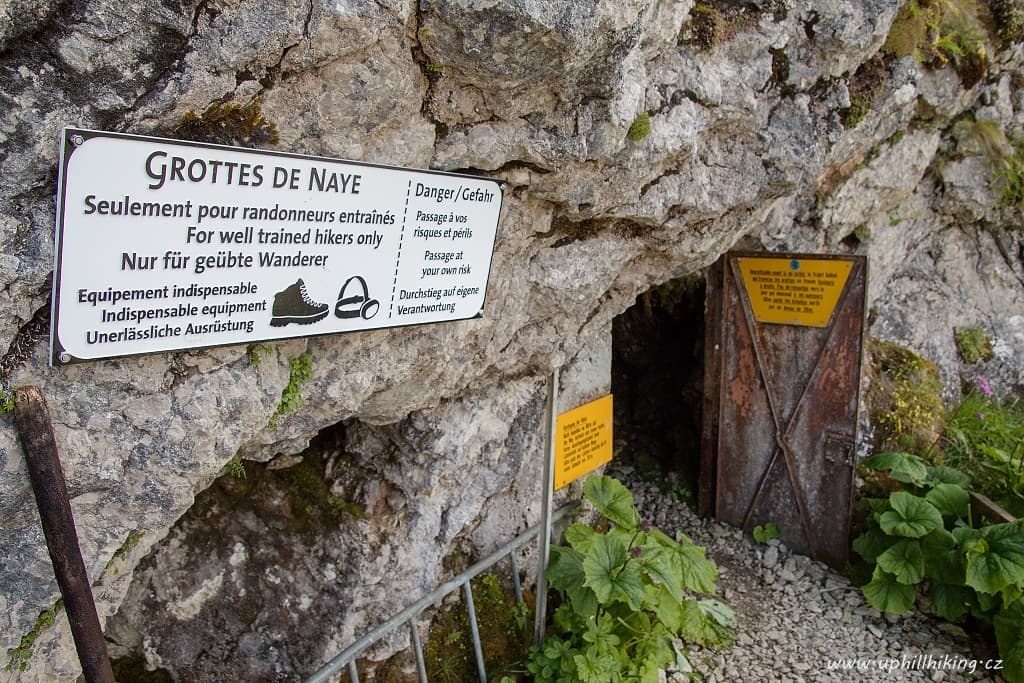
59,357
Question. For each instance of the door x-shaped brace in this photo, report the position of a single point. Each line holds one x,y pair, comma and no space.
783,432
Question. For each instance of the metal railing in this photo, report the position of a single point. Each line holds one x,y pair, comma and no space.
409,615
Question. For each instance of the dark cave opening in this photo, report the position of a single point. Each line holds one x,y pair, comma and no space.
658,384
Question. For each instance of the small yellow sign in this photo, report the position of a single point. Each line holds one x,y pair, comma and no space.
583,440
794,291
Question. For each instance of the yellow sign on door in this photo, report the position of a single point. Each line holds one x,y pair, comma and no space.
583,440
794,291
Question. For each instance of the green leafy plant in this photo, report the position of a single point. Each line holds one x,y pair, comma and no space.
905,398
235,467
973,344
706,26
984,436
291,395
941,32
640,128
763,534
6,400
1010,167
864,87
918,538
1008,16
626,594
131,542
1013,181
18,658
257,352
501,626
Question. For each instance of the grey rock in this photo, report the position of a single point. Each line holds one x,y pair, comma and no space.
771,557
746,148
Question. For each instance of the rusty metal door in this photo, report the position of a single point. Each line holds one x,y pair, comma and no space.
782,378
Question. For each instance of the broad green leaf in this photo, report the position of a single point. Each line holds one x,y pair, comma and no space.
696,572
949,499
876,505
661,538
871,544
910,516
583,600
580,537
610,576
627,537
612,499
943,561
951,601
669,611
996,560
653,653
565,569
904,467
660,565
565,572
886,594
1011,594
948,475
763,534
707,622
966,537
905,561
1009,625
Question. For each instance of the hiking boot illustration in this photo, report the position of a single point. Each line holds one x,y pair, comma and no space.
293,305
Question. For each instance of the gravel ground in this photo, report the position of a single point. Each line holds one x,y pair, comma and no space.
796,617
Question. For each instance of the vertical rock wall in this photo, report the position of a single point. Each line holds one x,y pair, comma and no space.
752,141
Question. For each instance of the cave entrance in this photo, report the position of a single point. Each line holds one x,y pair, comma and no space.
658,384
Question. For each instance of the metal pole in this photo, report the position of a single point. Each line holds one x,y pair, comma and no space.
51,494
474,631
417,646
516,584
540,617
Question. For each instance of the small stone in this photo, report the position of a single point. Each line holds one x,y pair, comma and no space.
875,631
771,556
951,630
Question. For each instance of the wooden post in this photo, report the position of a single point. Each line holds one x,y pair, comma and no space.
51,494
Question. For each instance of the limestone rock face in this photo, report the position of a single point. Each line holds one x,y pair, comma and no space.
752,143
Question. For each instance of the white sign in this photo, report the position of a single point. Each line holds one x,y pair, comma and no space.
165,245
